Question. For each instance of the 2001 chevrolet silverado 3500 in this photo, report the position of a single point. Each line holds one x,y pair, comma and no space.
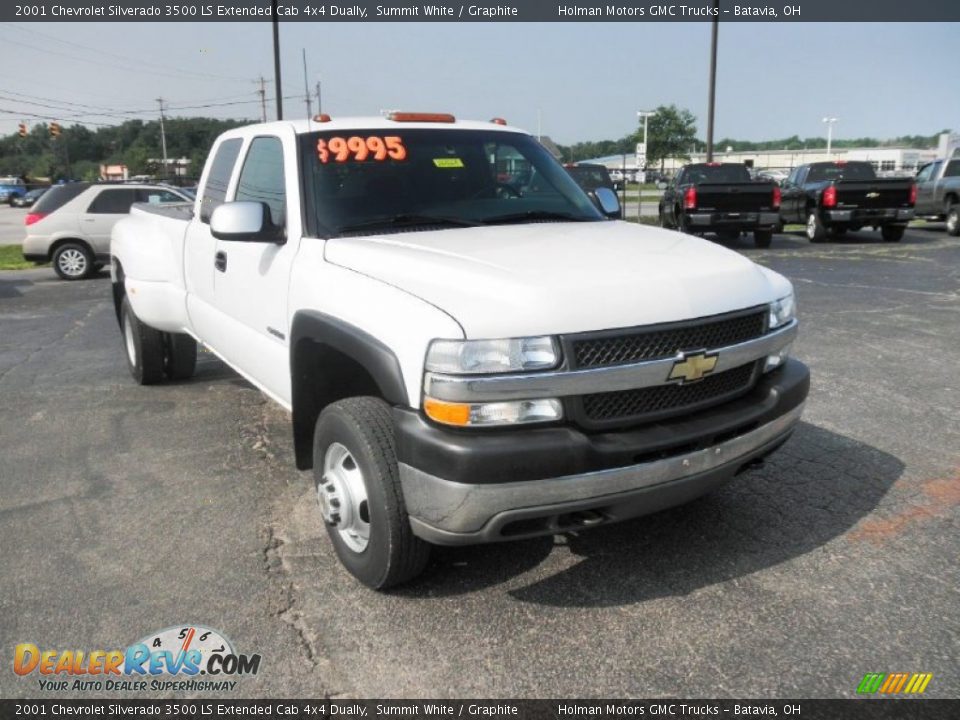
470,348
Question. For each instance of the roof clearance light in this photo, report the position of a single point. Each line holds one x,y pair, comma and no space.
498,121
321,117
421,117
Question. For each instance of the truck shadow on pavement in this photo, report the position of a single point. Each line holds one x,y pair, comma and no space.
813,490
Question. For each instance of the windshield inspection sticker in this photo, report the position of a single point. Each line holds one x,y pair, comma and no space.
359,149
448,162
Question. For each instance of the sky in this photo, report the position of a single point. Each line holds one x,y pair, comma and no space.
581,81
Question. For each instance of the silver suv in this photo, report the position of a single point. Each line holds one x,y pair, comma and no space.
70,225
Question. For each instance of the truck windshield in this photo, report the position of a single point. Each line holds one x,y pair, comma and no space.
841,171
375,180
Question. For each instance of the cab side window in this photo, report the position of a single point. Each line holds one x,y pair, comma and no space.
262,178
215,189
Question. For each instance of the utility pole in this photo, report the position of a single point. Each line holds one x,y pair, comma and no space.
263,99
276,57
319,106
163,138
829,121
306,88
713,79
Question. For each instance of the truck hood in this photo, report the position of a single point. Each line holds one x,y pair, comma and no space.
552,278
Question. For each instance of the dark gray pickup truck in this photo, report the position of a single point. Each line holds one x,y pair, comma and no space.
721,198
938,193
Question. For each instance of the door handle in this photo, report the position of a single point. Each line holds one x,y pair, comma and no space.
220,261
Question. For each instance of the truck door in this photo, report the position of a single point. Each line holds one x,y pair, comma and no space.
200,247
790,197
926,188
251,279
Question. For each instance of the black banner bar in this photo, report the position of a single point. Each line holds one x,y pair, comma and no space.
857,11
345,709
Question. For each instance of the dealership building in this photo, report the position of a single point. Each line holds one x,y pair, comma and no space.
886,160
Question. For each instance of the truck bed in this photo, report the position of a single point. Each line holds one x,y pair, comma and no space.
175,211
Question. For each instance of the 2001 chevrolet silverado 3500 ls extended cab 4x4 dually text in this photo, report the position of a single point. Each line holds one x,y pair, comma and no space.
466,358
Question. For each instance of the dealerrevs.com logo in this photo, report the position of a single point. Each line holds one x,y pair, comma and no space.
179,658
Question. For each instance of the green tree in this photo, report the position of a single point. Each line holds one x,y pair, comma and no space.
671,133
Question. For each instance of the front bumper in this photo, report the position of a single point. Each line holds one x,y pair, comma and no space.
732,220
532,482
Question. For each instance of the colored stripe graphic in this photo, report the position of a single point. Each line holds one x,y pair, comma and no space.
870,683
894,683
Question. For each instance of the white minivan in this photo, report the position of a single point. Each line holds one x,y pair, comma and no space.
70,225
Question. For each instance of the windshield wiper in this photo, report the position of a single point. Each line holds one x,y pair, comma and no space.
532,215
405,220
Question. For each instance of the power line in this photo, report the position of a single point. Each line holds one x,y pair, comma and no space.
191,72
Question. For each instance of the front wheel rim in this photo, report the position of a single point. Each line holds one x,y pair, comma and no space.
342,495
953,218
72,262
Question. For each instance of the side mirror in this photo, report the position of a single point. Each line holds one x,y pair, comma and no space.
245,222
609,204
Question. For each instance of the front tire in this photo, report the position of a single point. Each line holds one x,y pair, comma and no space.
953,220
180,356
73,261
762,238
816,232
361,502
143,345
892,233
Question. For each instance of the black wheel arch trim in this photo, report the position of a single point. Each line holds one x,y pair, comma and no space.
378,360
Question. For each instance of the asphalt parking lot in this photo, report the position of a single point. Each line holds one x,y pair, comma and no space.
127,509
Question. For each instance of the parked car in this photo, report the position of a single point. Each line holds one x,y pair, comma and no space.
463,362
778,176
938,193
833,197
721,198
591,177
70,225
29,198
10,188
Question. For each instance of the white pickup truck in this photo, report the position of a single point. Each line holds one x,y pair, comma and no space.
470,348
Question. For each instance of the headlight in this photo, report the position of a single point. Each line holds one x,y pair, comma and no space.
492,356
782,311
519,412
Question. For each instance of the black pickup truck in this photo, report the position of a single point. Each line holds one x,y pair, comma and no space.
721,198
833,197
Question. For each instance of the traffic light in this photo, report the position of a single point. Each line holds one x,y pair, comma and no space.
22,132
55,129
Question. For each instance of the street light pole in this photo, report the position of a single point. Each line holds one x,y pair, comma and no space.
645,114
829,121
713,79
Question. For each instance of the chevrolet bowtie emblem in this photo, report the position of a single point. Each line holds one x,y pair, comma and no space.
873,194
692,367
